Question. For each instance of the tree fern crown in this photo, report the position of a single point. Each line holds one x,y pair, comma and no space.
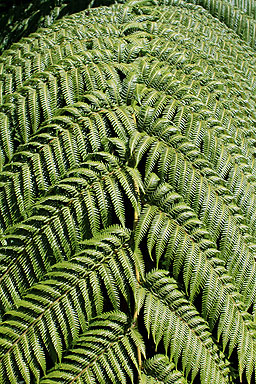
127,197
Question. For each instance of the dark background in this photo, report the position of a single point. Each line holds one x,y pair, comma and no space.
19,18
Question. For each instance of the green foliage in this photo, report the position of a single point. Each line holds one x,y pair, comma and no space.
127,200
159,369
238,15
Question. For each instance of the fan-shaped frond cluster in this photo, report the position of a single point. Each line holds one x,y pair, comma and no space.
127,200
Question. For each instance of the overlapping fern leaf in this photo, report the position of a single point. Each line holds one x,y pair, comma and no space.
127,198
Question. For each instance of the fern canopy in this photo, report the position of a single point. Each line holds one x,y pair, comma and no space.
127,197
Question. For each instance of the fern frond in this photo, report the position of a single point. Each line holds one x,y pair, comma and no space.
206,202
39,99
47,157
55,304
142,115
202,271
61,220
112,361
168,316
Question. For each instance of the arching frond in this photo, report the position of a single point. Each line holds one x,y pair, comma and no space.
112,361
168,316
207,204
201,270
81,205
55,310
47,158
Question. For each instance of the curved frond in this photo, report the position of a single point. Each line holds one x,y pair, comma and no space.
112,361
54,311
168,316
202,271
81,205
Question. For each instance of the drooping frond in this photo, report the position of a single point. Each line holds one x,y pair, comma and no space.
197,259
207,207
76,209
168,316
19,19
54,311
105,353
238,15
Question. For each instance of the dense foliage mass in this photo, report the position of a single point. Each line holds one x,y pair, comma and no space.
239,15
127,200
